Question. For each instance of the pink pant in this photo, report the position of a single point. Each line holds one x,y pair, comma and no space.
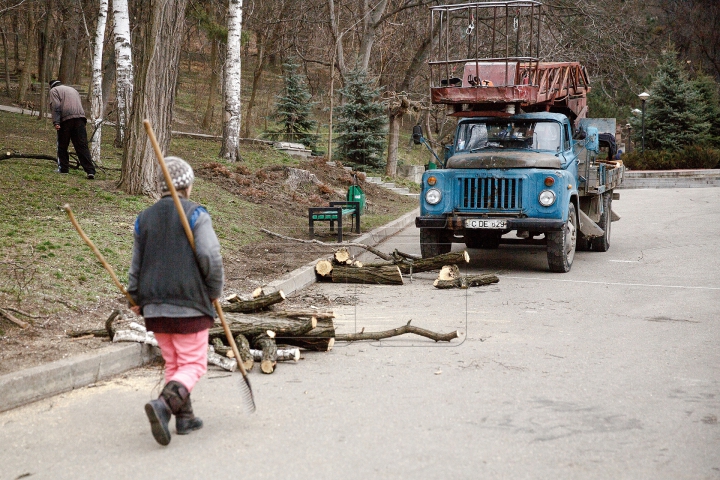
185,356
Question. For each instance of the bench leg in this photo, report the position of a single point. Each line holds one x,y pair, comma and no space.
340,228
311,226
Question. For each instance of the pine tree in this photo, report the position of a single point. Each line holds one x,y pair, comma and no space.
707,88
361,122
675,114
294,108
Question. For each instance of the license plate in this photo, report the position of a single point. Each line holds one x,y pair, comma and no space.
485,223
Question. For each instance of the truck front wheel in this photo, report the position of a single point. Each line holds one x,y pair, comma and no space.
561,245
434,242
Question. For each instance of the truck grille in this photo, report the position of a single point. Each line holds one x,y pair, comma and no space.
491,193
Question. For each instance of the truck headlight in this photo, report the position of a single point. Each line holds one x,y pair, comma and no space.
546,198
433,196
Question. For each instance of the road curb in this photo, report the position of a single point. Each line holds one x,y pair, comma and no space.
33,384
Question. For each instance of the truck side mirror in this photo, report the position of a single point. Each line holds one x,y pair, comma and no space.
417,135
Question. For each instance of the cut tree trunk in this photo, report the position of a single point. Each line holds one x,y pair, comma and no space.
302,314
221,361
320,339
252,327
466,281
438,337
248,359
342,257
324,269
254,305
268,358
378,275
283,354
408,265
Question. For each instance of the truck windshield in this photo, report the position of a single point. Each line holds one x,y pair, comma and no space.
523,135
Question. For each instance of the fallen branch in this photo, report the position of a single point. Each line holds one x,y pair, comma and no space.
14,319
370,249
35,317
108,331
438,337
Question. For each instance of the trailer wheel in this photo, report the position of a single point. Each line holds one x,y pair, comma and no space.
561,245
434,242
602,244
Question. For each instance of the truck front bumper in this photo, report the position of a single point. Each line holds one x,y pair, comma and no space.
458,223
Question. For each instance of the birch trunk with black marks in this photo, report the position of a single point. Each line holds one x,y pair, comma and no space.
124,83
232,112
96,94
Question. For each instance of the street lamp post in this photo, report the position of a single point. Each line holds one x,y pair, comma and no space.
628,148
643,98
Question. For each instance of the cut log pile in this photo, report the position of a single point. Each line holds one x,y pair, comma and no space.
267,335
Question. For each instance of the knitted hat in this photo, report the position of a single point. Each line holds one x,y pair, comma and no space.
54,83
181,173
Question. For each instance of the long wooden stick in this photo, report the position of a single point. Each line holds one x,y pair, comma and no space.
191,239
97,253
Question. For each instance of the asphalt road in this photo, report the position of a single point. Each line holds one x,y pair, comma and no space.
609,371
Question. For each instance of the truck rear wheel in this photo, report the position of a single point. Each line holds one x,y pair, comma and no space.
561,245
434,242
602,244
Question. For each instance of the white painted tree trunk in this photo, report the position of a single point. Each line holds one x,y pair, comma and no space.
231,116
124,73
96,97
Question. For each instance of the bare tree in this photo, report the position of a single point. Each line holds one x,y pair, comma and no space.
159,38
231,119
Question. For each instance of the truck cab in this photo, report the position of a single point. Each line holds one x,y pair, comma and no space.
505,173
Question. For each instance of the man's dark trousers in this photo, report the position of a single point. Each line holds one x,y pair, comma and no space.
74,129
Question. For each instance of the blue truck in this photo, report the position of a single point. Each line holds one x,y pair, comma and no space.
524,156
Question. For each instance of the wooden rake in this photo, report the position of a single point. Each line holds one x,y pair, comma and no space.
248,398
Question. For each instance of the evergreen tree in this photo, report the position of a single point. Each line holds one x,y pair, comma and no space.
361,122
293,109
675,114
707,88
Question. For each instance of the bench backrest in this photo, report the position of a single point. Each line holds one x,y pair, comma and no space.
355,194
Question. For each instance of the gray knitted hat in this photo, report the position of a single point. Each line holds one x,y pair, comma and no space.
181,173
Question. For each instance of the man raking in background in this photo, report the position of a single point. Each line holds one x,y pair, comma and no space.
69,120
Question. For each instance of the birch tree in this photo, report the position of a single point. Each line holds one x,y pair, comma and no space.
96,96
231,117
124,72
159,40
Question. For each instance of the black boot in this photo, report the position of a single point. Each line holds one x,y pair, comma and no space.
178,398
185,420
159,414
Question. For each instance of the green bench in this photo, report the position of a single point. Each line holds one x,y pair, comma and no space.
336,211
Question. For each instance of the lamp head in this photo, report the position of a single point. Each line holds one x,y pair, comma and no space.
644,96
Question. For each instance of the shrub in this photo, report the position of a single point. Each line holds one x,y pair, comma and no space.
690,157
